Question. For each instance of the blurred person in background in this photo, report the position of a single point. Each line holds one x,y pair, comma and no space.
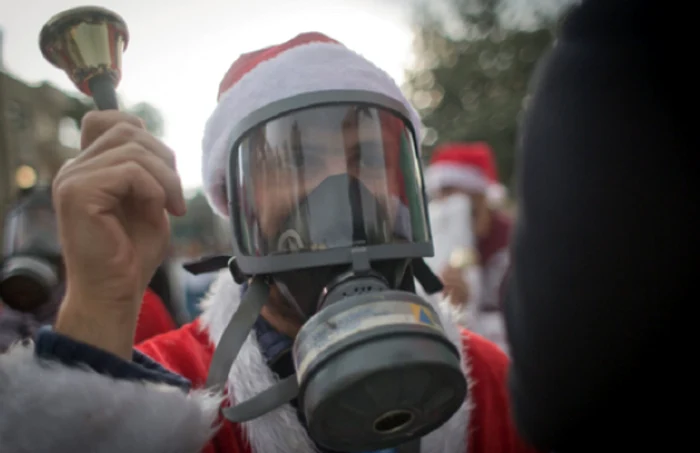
462,181
156,317
455,247
15,325
605,249
165,284
32,274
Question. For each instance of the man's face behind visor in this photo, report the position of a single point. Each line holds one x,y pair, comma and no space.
346,168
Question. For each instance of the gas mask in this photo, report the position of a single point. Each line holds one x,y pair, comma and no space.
31,252
327,204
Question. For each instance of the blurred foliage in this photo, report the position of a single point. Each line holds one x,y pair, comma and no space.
472,85
151,116
80,107
198,224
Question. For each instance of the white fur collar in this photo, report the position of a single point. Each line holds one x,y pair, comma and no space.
280,431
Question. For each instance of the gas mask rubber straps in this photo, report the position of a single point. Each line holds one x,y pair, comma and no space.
327,206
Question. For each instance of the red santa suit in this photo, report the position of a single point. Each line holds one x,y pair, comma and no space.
154,318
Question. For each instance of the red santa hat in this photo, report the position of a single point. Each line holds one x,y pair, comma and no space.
310,62
468,166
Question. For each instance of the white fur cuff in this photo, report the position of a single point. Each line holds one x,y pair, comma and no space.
48,407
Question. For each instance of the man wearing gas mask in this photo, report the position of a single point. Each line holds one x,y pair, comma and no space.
320,343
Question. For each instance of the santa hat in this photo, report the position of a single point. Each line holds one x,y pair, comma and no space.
468,166
310,62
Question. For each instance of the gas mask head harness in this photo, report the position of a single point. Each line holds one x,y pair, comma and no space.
31,263
327,204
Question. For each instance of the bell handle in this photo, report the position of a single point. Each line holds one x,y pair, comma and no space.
103,92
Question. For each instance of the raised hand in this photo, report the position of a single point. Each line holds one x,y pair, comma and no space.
112,203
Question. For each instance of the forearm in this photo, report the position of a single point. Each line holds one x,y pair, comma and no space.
104,326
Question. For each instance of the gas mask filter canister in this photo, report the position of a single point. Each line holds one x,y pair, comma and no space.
375,369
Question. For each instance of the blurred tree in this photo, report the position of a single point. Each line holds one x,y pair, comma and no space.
80,107
151,117
470,83
198,224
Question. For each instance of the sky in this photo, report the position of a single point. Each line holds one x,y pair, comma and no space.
180,49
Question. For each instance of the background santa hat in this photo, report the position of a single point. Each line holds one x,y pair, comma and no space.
310,62
467,166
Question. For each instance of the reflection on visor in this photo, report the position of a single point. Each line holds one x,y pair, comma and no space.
328,177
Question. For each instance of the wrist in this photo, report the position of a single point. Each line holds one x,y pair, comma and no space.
109,326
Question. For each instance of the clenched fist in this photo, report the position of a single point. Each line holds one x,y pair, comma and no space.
112,203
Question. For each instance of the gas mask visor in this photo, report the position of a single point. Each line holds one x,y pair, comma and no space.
31,252
327,204
310,187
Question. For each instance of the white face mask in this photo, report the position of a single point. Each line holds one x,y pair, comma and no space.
452,228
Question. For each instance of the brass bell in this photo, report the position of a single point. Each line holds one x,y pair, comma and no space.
87,43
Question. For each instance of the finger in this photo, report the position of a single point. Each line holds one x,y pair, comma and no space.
117,182
125,132
96,122
168,178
